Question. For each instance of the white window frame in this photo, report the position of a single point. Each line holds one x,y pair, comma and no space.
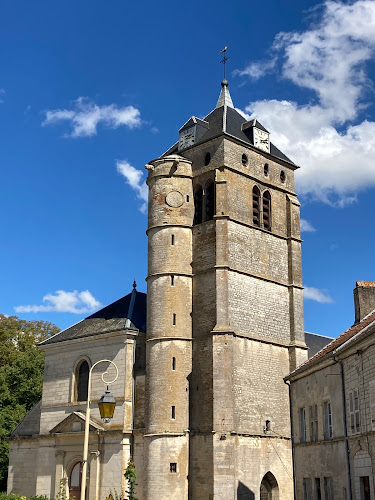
327,412
313,414
328,488
307,488
302,425
354,411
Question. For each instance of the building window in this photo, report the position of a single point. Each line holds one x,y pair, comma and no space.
302,425
314,423
207,159
355,414
172,239
266,169
198,204
282,176
267,428
244,160
267,210
318,490
307,489
174,319
173,412
82,381
172,280
210,199
173,363
173,467
328,488
364,484
327,420
256,206
187,198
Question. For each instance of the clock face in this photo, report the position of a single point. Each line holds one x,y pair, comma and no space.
261,139
187,138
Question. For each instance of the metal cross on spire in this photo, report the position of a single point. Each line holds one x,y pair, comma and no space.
225,58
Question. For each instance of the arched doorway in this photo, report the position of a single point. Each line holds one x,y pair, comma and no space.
269,489
75,479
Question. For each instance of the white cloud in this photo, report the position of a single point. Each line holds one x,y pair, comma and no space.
61,301
86,116
311,293
134,178
2,92
326,138
306,227
256,70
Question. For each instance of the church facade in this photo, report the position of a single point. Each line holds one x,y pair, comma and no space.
202,406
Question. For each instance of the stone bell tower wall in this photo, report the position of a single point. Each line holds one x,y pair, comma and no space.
169,331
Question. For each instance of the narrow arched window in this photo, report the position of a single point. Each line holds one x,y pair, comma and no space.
267,210
210,200
256,206
198,204
82,381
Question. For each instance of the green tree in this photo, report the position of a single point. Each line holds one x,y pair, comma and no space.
131,477
21,376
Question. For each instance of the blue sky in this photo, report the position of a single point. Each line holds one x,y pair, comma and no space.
91,91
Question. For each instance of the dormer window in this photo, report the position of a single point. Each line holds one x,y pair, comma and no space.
258,135
191,132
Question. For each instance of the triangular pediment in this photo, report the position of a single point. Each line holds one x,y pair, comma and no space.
75,422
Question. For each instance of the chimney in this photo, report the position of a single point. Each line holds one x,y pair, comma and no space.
364,299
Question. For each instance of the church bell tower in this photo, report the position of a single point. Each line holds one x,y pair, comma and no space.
224,312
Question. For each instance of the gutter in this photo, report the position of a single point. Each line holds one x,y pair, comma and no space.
292,438
345,424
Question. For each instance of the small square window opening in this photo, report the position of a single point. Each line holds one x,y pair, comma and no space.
173,467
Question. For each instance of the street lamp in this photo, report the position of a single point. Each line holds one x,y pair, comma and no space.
106,405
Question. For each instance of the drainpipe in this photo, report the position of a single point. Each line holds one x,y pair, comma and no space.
345,424
292,439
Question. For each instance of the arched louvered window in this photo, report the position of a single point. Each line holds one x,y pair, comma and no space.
210,200
256,206
198,204
267,210
82,380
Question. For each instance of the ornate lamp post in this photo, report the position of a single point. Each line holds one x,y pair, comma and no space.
106,405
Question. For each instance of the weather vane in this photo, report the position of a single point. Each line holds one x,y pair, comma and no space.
225,58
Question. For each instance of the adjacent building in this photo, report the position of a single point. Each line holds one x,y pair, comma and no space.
333,412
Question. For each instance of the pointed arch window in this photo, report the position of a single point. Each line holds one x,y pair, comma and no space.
210,200
82,380
256,206
267,210
198,204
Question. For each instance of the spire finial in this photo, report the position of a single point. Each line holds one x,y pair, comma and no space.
134,285
224,61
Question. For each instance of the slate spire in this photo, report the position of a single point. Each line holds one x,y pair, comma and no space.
224,97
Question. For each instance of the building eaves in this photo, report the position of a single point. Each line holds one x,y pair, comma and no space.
354,332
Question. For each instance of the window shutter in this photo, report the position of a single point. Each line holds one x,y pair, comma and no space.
372,403
351,410
357,411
